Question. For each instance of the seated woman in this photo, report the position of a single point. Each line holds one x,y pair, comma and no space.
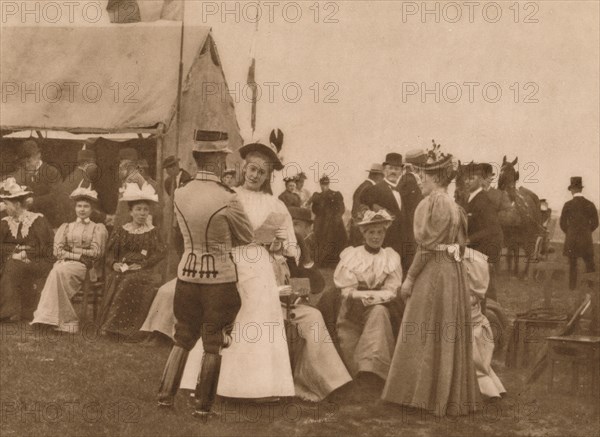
483,346
26,252
132,251
368,277
77,246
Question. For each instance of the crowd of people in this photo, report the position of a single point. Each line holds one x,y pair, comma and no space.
411,273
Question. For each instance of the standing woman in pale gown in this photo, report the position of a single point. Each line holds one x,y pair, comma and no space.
77,247
257,364
433,367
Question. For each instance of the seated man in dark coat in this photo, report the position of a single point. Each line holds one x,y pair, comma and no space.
579,218
43,179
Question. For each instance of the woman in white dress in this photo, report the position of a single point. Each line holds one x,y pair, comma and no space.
77,246
257,364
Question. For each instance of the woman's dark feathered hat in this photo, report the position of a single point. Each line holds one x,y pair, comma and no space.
436,160
271,148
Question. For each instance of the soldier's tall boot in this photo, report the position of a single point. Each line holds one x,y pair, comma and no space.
206,388
171,378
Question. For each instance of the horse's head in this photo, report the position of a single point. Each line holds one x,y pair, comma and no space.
508,176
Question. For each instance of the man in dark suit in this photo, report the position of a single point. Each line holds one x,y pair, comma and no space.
485,233
386,195
43,179
411,195
358,208
579,218
176,178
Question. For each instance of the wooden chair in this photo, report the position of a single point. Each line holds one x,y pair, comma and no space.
91,292
579,351
589,283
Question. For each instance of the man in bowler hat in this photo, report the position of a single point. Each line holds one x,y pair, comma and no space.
579,218
206,300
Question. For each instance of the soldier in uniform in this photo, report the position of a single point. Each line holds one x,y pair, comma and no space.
206,301
579,218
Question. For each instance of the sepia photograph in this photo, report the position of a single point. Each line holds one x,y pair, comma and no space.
299,218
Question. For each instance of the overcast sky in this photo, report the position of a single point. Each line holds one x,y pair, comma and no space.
378,58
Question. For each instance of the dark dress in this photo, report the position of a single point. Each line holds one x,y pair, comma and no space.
290,199
129,295
330,233
17,278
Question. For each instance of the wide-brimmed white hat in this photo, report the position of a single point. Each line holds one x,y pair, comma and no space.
133,193
374,218
81,193
10,189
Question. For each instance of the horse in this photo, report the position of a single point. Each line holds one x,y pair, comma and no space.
522,221
518,211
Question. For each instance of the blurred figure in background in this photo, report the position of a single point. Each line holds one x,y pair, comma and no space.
578,219
359,208
290,197
304,194
43,179
229,177
330,232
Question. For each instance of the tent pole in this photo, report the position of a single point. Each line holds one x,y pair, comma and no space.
160,143
177,136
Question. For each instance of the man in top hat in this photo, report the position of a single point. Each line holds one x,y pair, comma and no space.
484,231
358,208
229,177
206,300
84,176
386,195
289,196
43,179
578,219
304,194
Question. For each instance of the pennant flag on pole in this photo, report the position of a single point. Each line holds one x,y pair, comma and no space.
251,80
252,84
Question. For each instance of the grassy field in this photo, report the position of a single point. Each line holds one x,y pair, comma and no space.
86,385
